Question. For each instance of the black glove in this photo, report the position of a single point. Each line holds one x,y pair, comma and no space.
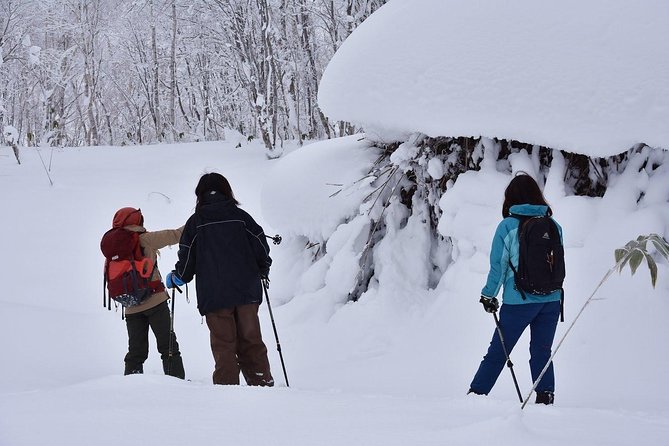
490,304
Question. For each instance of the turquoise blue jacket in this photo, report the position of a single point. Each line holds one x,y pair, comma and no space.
505,247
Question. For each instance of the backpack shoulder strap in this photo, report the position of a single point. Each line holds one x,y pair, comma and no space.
522,219
521,223
137,247
105,276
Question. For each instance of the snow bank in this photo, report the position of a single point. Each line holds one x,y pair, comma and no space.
404,313
158,410
586,77
331,186
392,368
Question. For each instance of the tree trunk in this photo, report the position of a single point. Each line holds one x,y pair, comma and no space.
173,72
156,76
15,148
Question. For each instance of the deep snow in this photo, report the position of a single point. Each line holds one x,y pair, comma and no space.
390,369
586,77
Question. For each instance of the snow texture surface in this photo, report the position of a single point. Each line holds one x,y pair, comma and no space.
391,369
586,77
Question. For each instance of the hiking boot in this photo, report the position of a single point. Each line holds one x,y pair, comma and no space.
133,369
545,398
174,366
267,382
259,379
475,392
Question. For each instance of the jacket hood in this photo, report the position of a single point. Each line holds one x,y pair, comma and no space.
135,228
214,204
127,217
528,210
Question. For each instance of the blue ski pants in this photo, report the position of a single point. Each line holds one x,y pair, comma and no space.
513,319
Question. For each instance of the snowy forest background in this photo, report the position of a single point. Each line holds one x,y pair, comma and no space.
116,72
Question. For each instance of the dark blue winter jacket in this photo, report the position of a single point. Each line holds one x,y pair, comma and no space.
227,252
504,247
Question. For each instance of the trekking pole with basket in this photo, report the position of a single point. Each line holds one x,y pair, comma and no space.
276,335
172,335
508,358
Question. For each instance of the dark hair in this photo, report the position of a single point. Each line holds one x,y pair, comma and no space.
523,190
213,182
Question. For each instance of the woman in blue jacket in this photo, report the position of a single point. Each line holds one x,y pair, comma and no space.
522,199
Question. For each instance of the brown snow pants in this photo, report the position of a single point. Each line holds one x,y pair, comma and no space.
236,344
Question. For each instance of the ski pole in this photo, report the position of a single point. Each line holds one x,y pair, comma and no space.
508,359
278,344
170,352
550,360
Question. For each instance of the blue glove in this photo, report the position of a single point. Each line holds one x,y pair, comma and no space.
490,305
172,280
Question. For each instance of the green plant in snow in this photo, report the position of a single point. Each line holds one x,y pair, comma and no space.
635,251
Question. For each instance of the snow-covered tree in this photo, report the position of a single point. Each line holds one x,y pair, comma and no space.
80,72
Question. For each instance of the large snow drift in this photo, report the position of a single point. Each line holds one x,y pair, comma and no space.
586,77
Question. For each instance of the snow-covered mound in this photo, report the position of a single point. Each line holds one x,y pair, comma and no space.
585,77
330,188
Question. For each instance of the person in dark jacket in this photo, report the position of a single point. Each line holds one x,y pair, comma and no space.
227,252
522,199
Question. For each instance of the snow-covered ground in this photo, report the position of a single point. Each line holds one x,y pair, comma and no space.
391,369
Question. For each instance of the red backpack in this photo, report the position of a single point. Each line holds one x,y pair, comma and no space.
127,272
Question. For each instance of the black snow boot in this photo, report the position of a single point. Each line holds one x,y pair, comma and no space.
475,392
545,397
174,366
133,369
